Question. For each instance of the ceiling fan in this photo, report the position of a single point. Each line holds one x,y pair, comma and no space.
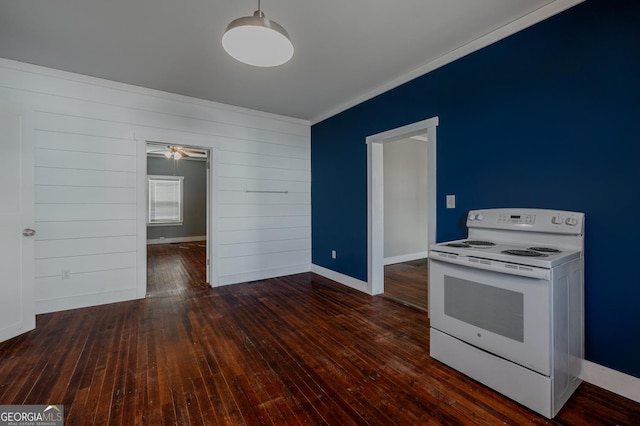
177,152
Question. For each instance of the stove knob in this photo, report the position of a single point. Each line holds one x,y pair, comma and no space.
472,216
571,221
556,220
479,216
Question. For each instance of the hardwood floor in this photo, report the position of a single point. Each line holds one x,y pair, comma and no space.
175,268
293,350
407,283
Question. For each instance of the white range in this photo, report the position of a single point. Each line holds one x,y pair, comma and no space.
506,303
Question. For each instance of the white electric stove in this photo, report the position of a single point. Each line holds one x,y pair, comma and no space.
506,303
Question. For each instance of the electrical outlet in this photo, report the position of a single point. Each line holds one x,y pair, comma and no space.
333,254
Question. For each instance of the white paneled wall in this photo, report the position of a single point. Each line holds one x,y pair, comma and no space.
88,173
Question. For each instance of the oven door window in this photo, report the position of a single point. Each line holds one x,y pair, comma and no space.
507,315
487,307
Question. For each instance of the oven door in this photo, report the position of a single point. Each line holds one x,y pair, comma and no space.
503,314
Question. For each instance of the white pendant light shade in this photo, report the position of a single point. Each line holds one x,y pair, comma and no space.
257,41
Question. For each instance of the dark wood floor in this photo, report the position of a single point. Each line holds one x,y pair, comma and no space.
294,350
407,283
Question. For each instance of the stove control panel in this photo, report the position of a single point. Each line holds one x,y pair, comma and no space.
517,219
530,220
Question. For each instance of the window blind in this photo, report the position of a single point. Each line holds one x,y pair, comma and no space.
165,199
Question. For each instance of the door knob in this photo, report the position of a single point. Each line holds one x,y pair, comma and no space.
28,232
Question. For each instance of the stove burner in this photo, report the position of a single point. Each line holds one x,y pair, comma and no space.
527,253
545,249
480,243
459,245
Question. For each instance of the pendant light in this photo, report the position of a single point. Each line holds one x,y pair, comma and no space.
258,41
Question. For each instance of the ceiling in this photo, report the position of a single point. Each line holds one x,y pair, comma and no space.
346,51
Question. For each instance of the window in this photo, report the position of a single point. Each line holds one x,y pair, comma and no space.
165,200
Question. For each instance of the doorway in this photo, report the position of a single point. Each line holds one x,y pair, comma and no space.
177,217
406,204
425,129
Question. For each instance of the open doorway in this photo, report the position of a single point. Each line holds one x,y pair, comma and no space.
424,131
177,231
405,191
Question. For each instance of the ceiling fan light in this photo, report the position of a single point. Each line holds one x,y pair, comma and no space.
257,41
177,155
167,154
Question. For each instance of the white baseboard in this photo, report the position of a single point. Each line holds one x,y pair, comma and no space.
176,240
261,275
405,258
85,300
341,278
611,380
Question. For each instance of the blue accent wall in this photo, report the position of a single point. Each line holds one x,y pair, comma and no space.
546,118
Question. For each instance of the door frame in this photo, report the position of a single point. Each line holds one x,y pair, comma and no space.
375,193
141,218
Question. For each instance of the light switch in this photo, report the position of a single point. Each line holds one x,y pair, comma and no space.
451,201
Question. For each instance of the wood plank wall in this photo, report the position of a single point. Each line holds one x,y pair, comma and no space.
88,192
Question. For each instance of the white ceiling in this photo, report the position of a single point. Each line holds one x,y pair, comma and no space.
346,50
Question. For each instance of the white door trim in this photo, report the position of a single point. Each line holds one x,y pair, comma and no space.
212,218
141,201
375,194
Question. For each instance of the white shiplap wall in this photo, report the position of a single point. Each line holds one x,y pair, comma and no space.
89,175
